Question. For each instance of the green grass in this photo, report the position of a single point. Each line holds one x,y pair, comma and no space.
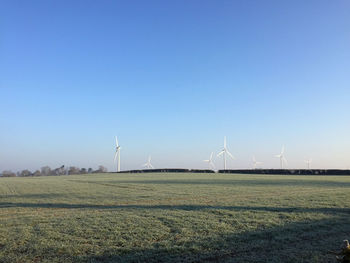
173,218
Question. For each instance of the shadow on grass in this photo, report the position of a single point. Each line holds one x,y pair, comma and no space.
327,210
306,241
296,242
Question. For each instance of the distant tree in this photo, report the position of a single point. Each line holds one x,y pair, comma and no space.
59,171
90,170
73,170
25,173
45,171
8,173
62,171
83,171
101,169
37,173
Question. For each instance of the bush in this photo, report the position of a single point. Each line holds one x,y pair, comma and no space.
8,174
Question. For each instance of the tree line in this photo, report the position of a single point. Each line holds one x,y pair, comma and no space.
47,171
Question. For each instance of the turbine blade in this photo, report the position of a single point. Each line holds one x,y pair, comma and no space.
115,156
254,160
211,156
212,165
224,141
220,153
229,154
282,151
116,141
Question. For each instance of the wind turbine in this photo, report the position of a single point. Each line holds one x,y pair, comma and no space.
255,163
224,152
148,164
308,162
117,153
210,161
281,157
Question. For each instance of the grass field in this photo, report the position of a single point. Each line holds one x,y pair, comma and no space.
173,218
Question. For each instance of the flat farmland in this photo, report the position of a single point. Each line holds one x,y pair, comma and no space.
176,217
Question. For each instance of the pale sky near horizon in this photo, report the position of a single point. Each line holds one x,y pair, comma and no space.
171,79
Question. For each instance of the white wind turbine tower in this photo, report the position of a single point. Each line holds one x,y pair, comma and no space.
117,153
224,152
281,157
148,165
255,163
308,162
210,161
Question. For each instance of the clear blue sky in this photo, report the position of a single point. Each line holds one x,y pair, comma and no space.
171,78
